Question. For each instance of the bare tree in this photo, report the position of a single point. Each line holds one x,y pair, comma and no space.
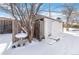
24,12
68,10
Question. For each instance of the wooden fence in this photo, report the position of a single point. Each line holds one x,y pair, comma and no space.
5,26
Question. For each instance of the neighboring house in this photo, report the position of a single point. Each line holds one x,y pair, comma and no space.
75,22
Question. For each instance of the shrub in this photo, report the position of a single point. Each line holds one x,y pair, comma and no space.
75,26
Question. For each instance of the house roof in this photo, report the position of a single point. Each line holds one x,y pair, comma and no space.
42,16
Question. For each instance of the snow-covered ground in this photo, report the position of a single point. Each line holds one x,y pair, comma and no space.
68,45
5,40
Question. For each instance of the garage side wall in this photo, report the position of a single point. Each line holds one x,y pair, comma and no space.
52,27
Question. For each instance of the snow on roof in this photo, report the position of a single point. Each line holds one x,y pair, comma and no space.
43,16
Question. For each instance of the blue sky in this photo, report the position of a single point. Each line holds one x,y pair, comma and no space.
45,7
53,6
57,6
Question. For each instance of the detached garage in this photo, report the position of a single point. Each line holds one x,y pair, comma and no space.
49,26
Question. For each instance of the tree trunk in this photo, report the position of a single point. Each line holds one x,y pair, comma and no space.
67,24
31,33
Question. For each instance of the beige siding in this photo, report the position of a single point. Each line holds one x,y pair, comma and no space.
41,29
52,27
56,28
